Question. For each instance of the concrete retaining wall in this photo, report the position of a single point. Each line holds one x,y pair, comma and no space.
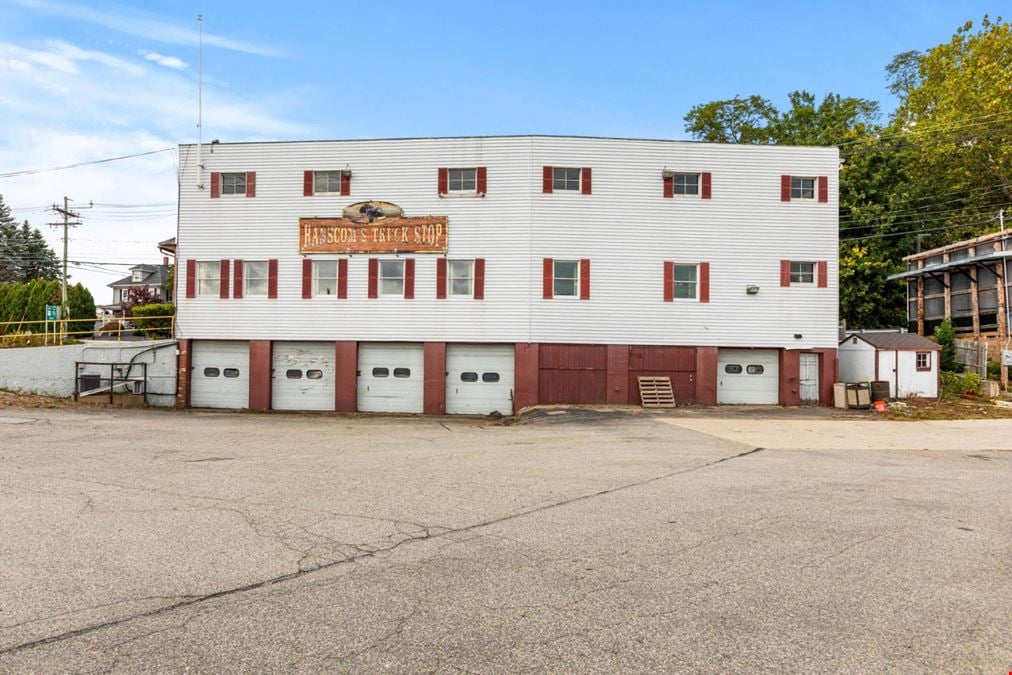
49,371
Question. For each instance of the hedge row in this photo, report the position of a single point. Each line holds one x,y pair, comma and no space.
23,302
154,328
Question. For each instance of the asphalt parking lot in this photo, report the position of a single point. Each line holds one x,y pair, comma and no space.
580,542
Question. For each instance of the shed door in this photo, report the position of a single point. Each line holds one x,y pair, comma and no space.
219,377
809,379
479,379
302,376
391,377
749,376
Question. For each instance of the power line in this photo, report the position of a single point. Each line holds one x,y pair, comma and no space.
941,128
29,172
888,235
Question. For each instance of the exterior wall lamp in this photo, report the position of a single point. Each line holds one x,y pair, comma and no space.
752,289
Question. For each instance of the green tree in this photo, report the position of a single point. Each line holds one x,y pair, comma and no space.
735,120
8,244
38,261
867,299
945,335
80,305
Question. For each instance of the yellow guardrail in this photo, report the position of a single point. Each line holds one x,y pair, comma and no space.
56,331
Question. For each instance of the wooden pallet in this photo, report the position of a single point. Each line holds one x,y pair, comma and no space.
655,392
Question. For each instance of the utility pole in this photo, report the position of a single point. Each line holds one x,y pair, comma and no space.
66,224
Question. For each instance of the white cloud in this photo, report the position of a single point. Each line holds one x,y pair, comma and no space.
163,60
149,27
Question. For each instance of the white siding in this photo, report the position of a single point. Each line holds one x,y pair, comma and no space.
625,227
856,361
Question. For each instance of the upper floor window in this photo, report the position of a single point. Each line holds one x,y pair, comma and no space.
391,277
686,279
209,278
566,278
124,294
686,184
233,183
462,180
461,277
802,188
802,272
565,179
326,181
137,275
255,277
324,277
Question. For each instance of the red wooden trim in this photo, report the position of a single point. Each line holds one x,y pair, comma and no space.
440,278
823,274
669,186
546,180
785,188
191,278
307,278
272,278
215,184
345,369
479,278
434,378
409,279
584,278
342,279
260,363
547,274
373,278
223,266
251,183
669,281
307,183
442,181
704,282
237,280
482,180
823,189
585,180
345,183
785,273
707,184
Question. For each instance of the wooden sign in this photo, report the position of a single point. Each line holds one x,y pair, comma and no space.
374,232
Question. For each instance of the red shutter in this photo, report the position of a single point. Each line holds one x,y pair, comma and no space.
585,180
479,278
547,267
307,183
440,278
785,188
373,278
237,285
409,279
191,278
669,281
345,183
707,184
482,180
785,272
307,278
272,278
215,185
823,274
223,286
669,187
704,282
342,279
442,182
823,188
546,180
251,183
585,279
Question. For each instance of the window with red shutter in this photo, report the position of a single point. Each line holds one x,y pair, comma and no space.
669,185
251,183
342,279
785,273
585,279
409,279
482,187
307,278
707,179
307,183
272,278
546,180
223,275
704,282
823,189
479,278
669,281
237,286
823,274
345,183
785,188
585,180
373,278
191,278
215,185
440,278
547,278
442,181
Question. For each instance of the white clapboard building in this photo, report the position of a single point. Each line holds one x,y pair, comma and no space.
480,274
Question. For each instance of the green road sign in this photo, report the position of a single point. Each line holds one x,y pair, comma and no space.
51,312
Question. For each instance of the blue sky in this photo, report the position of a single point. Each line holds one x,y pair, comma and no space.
87,80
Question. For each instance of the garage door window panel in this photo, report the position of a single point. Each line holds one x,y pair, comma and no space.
231,372
209,278
255,278
566,279
469,377
391,278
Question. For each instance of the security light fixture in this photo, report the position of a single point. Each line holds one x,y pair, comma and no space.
752,289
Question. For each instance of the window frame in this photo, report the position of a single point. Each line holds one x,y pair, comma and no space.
215,267
799,192
698,194
248,266
330,175
450,278
917,361
380,278
556,277
124,294
221,183
675,282
796,278
317,277
566,181
462,192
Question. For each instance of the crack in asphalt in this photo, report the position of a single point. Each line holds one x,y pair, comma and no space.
363,554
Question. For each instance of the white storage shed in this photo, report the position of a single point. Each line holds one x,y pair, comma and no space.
907,361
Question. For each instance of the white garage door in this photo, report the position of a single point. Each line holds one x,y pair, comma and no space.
303,376
219,377
479,379
748,376
391,377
